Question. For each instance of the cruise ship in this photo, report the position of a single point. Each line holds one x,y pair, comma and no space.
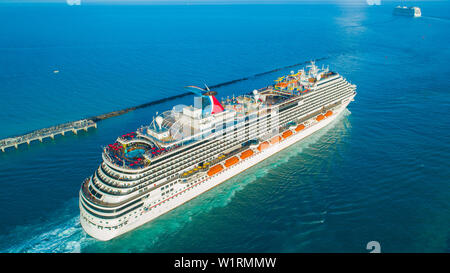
185,151
405,11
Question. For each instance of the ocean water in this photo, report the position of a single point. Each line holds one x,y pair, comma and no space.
379,173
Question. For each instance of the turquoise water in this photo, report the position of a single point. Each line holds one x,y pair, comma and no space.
379,173
135,153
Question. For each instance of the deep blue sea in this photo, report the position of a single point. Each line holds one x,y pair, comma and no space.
381,172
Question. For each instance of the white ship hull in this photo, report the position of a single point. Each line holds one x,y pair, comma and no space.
198,188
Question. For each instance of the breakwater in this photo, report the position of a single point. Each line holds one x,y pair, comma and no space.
155,102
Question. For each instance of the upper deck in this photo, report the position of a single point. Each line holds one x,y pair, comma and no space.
184,125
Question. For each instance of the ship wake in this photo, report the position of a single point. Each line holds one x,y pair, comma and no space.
61,233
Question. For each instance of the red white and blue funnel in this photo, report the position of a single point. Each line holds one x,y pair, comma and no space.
216,106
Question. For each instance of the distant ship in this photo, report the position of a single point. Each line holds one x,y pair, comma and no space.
185,152
405,11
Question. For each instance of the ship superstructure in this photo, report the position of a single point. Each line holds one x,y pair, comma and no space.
188,150
407,11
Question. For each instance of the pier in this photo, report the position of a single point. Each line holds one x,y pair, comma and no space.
49,132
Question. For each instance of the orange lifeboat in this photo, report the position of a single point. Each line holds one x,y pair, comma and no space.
215,169
287,134
328,113
231,161
320,117
300,127
263,146
246,154
275,139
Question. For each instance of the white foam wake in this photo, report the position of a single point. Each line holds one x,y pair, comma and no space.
62,233
64,238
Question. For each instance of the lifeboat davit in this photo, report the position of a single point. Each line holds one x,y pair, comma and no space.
215,169
275,139
231,161
246,154
287,134
263,146
300,127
